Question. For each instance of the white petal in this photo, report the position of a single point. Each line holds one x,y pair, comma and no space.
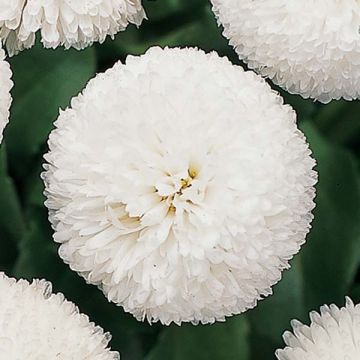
178,158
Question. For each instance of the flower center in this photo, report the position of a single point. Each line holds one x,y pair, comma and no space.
178,188
186,183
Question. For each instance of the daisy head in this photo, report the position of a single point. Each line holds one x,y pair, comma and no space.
37,324
311,48
179,184
333,334
67,23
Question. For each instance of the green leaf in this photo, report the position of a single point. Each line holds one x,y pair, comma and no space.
198,29
339,121
331,255
11,217
272,315
37,252
355,293
44,81
227,340
163,9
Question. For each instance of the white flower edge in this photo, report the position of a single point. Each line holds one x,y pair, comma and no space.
76,24
5,87
36,323
308,48
333,334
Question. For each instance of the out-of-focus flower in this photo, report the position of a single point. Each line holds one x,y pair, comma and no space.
36,324
5,87
334,334
311,48
71,23
181,185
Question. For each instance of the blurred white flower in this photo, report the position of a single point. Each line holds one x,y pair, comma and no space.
180,185
334,334
71,23
5,87
311,48
36,324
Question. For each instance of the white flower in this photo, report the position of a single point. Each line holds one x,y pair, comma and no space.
334,334
180,185
71,23
36,324
308,47
5,87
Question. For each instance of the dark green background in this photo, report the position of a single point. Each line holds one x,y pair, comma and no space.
325,271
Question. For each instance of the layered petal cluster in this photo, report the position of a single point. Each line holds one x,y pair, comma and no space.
71,23
308,47
179,184
334,334
5,86
37,324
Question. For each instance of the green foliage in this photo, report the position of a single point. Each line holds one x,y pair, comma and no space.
12,224
331,257
325,271
44,81
190,342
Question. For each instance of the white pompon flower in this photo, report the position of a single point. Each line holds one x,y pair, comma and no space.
334,334
36,324
70,23
5,87
308,47
180,185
